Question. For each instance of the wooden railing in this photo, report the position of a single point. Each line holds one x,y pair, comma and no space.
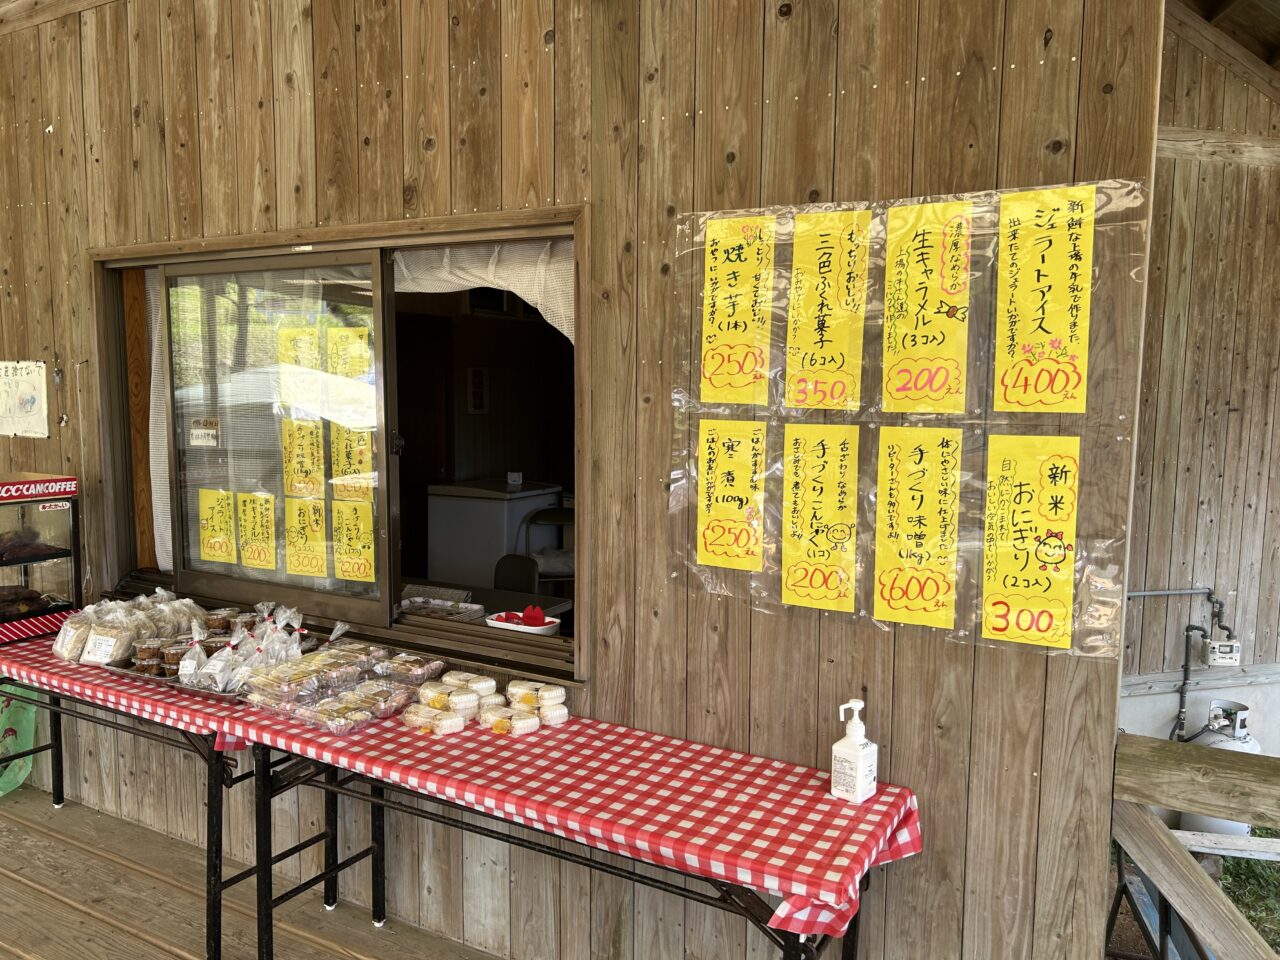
1193,779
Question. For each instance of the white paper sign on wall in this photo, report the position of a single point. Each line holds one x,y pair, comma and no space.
24,408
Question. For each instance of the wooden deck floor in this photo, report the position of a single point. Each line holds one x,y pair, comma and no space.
77,885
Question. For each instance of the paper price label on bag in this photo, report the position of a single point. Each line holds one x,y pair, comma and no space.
256,522
1028,558
305,543
1042,312
353,557
351,463
737,309
827,310
926,307
917,525
302,443
217,526
731,468
819,515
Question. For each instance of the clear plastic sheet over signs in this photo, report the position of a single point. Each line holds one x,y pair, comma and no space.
957,376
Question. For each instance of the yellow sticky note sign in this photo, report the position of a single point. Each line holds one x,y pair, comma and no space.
827,310
256,522
217,526
917,525
298,350
353,540
348,351
351,463
731,469
926,307
1042,306
737,309
305,543
302,446
819,515
1028,557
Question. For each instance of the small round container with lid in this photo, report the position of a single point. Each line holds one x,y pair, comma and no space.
219,621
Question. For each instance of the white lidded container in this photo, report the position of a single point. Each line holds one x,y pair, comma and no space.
853,759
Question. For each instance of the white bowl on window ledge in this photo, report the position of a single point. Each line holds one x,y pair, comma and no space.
548,629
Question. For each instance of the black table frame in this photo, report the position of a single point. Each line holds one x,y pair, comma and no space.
273,779
218,768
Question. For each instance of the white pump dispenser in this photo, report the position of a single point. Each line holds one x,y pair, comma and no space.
853,759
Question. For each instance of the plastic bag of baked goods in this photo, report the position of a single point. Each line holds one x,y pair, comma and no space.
194,659
69,644
110,639
287,617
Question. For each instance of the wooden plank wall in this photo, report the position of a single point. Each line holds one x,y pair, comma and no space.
1207,501
183,118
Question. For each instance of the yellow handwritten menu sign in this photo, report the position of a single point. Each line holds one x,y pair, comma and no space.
347,351
737,304
296,348
926,307
819,515
302,443
731,466
217,526
351,462
1028,573
305,544
353,540
256,521
917,525
827,310
1042,313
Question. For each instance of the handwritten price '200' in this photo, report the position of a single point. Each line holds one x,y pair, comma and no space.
350,568
915,589
257,553
731,538
733,365
818,581
926,379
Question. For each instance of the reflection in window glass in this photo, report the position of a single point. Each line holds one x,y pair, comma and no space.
275,415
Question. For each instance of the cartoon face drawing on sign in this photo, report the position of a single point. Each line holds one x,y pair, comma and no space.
1052,549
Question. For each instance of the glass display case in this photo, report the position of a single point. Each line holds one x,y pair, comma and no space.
39,545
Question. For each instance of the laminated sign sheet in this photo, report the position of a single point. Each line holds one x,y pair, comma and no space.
731,464
1028,559
1042,317
217,526
926,307
302,443
737,307
826,312
917,525
819,515
305,541
353,541
256,521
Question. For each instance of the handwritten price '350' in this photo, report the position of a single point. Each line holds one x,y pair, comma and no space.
731,538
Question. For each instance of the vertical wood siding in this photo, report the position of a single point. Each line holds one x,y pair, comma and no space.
139,120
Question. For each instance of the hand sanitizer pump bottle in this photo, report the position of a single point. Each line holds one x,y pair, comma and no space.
853,759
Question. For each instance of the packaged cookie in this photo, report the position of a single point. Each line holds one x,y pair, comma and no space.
530,693
480,684
553,714
492,700
506,720
433,721
461,700
409,668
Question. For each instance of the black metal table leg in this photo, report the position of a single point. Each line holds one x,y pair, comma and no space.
849,948
378,832
330,842
262,847
55,755
216,773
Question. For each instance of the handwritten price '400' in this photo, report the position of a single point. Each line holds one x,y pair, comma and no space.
218,548
731,538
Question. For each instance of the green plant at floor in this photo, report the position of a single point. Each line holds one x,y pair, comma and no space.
1254,887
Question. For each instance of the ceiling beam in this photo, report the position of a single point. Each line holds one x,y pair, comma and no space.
1226,8
1211,41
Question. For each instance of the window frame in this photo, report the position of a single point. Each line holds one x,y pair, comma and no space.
479,645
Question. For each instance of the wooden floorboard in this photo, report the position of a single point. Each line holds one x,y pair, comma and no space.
79,885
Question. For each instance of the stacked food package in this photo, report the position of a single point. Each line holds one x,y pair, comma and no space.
448,706
106,632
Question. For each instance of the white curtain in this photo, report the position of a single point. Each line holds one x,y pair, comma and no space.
539,272
161,518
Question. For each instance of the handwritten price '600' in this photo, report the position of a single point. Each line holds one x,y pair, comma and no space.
731,538
916,589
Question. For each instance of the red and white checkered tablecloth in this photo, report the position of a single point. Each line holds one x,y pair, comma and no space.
702,810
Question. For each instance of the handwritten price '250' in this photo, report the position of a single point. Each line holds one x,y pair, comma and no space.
731,538
733,365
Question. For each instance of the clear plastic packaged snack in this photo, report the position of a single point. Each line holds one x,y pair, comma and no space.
492,700
505,720
334,716
293,682
461,700
379,698
149,649
187,661
433,721
219,621
530,693
480,684
553,714
409,667
110,640
150,667
69,644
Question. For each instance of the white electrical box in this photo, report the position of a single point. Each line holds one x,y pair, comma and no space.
1222,653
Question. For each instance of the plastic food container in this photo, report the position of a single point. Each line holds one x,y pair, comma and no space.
169,669
409,667
431,720
504,720
174,653
553,715
530,693
150,667
481,685
149,649
219,621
